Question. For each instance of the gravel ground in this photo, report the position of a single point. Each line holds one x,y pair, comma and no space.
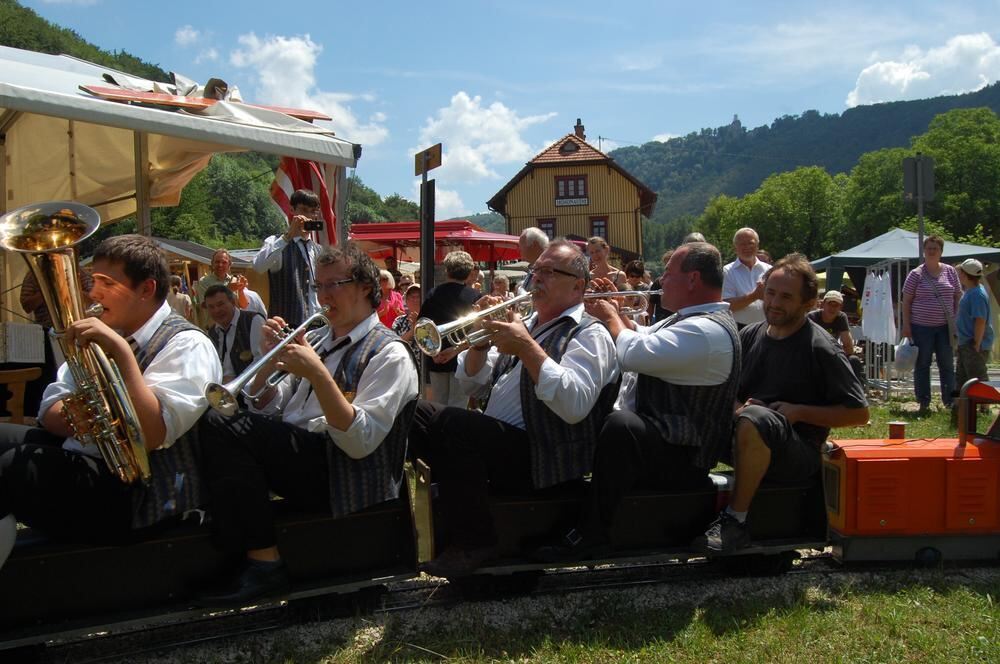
352,638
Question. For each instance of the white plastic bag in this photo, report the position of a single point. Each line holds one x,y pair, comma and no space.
906,356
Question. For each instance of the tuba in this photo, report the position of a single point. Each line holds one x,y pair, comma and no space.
100,412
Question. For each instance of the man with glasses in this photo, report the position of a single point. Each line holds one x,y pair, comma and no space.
673,418
331,435
551,380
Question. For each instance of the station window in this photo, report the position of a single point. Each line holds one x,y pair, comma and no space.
548,227
599,227
571,186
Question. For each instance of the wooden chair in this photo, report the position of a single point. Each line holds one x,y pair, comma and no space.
15,380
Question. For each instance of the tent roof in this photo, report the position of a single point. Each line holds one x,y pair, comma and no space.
897,243
64,144
448,236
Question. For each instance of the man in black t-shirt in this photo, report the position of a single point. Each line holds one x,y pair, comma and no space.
444,304
830,317
796,385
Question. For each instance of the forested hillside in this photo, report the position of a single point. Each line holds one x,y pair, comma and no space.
689,171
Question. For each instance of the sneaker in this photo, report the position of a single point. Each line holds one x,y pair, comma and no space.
725,535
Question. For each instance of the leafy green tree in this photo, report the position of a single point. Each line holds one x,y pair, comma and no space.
873,200
397,208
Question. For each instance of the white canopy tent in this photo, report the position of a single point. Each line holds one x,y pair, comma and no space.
60,143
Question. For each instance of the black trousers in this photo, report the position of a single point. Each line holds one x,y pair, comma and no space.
471,456
247,456
631,453
61,493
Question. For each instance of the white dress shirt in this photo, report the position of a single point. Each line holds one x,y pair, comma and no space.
255,302
268,259
737,281
694,351
228,337
569,388
177,376
387,384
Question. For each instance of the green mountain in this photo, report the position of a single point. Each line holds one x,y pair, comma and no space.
689,171
21,27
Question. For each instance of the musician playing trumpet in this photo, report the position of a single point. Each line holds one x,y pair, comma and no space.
551,380
331,435
50,481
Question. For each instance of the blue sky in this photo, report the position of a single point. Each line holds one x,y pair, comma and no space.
496,82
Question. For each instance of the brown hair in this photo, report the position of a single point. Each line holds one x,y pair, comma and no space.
798,264
140,258
936,239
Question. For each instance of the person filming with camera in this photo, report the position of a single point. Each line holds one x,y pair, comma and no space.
289,260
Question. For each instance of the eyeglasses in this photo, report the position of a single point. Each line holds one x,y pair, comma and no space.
331,285
547,272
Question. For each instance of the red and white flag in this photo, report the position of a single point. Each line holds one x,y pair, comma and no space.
295,174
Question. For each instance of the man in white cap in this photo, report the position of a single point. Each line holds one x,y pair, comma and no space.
975,332
831,317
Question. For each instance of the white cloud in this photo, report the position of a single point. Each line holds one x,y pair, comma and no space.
186,35
638,61
663,138
477,138
284,69
208,55
964,64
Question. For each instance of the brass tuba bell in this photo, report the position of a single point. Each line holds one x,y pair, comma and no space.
100,412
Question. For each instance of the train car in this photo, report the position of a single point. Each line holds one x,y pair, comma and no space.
888,499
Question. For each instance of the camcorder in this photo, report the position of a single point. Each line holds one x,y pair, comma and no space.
313,225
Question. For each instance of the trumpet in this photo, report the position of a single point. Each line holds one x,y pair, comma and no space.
225,398
430,337
635,310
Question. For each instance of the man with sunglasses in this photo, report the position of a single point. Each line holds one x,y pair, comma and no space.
551,380
331,435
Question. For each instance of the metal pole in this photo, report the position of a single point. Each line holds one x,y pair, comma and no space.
920,208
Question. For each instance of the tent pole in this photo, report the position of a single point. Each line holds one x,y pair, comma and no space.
143,218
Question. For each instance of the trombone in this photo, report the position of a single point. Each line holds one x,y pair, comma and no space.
225,398
636,310
430,337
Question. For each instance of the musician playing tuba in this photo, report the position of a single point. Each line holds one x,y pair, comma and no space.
50,481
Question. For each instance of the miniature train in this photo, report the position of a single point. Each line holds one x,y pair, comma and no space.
884,500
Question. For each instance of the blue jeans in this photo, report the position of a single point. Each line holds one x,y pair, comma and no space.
933,340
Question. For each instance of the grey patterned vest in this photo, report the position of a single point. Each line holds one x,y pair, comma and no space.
241,353
175,485
289,286
695,416
359,483
560,451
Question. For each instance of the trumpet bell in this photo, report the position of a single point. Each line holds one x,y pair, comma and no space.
427,336
221,399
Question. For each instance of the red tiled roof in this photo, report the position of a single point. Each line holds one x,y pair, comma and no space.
555,152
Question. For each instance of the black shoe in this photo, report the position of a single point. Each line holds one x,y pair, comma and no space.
571,547
256,580
725,535
456,562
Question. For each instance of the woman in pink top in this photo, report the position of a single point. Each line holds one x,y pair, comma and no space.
392,304
930,299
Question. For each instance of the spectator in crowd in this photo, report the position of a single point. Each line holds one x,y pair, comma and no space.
444,304
532,242
693,236
600,268
659,312
403,284
180,303
931,294
221,275
743,288
501,287
289,260
975,328
830,317
405,322
391,306
393,267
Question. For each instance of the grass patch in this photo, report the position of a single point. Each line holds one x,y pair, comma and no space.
936,423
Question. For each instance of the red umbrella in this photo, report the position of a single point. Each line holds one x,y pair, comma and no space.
402,239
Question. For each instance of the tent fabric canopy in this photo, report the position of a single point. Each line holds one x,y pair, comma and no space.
402,239
900,244
64,144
